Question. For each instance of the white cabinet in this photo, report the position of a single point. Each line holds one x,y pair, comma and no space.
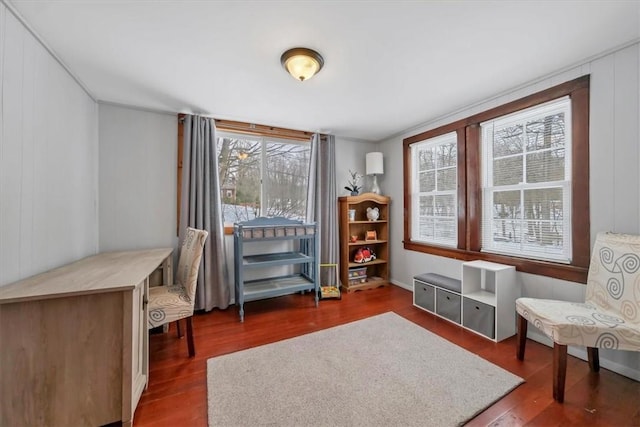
489,293
483,301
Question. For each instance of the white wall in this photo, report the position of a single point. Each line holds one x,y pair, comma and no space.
138,178
350,155
137,156
48,159
614,179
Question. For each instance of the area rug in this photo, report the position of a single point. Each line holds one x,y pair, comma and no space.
380,371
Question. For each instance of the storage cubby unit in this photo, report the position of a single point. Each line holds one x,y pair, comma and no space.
489,293
357,231
483,301
439,295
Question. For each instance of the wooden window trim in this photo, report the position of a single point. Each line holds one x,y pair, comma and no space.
469,185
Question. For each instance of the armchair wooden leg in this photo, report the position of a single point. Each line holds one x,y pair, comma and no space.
522,336
192,350
559,371
594,359
178,328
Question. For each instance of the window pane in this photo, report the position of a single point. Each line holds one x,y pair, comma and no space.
546,132
445,229
447,155
426,228
543,203
426,205
426,159
506,204
544,237
546,166
507,171
287,169
543,210
507,234
507,140
427,181
447,179
239,175
445,205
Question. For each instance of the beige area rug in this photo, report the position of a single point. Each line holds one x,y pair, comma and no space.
380,371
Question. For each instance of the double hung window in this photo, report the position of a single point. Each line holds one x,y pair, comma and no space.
435,199
509,185
526,183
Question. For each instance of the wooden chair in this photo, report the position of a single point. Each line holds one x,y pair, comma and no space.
609,318
173,303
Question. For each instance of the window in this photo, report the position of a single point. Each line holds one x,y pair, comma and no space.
434,197
508,185
280,164
526,185
262,176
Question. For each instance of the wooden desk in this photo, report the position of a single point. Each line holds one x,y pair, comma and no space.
74,343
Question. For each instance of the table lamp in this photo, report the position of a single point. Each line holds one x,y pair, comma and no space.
375,168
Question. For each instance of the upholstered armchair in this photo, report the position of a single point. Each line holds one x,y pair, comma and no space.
173,303
609,318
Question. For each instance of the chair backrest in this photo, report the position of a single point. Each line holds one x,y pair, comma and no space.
613,283
189,264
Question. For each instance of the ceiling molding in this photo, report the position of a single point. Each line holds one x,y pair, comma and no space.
40,40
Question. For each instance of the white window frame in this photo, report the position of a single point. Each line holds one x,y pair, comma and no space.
263,141
560,105
448,138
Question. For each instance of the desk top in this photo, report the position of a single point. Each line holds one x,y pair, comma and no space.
105,272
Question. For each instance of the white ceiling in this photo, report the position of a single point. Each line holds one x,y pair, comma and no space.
389,65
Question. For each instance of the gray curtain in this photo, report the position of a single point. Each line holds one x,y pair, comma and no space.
322,202
201,208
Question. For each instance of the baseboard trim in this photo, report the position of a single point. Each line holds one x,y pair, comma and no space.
401,285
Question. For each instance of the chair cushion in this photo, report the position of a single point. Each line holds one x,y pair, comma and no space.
581,324
168,304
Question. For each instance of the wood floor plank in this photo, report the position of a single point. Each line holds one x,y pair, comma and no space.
177,391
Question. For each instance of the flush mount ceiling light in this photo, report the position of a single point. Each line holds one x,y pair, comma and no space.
302,63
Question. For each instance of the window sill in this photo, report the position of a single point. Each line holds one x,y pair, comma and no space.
572,273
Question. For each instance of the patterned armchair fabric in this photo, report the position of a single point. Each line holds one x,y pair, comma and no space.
610,316
171,303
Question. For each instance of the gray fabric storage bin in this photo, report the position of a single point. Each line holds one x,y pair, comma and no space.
480,317
448,305
424,295
441,281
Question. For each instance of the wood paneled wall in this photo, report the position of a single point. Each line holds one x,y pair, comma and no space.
48,159
614,145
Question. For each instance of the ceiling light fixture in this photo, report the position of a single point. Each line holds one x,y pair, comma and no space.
302,63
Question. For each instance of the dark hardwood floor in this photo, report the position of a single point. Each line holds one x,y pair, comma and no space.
177,392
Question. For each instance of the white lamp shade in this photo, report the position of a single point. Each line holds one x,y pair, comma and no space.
375,164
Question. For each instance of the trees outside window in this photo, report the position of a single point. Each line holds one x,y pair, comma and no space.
262,176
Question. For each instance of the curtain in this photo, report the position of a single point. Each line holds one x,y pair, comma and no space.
201,208
322,202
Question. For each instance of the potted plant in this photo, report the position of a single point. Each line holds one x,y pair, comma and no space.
353,186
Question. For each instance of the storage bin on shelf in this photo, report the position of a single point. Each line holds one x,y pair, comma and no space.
357,275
